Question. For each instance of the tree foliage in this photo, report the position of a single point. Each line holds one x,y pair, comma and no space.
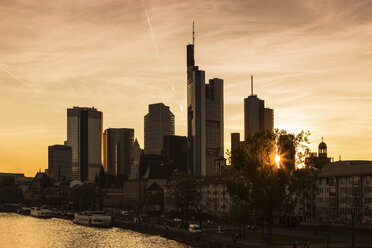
184,195
9,191
268,187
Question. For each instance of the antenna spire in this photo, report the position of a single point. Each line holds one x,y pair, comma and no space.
193,33
251,85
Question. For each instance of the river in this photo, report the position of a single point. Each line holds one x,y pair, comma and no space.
26,231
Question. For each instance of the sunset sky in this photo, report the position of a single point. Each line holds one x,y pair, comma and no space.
311,61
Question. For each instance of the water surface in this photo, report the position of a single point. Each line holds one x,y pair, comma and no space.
26,231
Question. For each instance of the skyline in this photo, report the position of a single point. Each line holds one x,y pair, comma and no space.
310,62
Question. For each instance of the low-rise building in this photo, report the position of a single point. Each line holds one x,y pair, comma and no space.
209,195
343,191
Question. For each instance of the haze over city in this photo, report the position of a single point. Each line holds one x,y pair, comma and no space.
311,62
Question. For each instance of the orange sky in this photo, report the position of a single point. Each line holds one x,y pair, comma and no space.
311,61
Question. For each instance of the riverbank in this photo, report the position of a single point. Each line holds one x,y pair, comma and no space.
209,238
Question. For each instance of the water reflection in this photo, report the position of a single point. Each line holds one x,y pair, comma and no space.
25,231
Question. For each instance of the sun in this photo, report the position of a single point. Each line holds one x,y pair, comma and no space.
277,159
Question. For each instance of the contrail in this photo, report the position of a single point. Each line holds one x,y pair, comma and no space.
153,36
14,76
151,31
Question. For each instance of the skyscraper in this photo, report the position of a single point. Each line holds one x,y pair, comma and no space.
84,135
256,117
159,122
117,151
235,141
204,118
60,162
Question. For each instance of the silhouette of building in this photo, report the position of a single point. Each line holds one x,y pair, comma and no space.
136,155
150,160
84,135
175,150
60,162
321,158
235,141
256,117
117,151
205,124
159,122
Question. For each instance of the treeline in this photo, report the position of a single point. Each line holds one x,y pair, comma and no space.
9,191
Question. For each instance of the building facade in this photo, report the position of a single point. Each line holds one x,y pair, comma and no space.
159,122
117,151
84,136
205,119
60,162
212,196
343,192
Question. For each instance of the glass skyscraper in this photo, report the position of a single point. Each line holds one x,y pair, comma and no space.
205,119
84,136
159,122
117,151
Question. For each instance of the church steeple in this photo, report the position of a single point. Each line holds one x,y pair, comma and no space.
322,149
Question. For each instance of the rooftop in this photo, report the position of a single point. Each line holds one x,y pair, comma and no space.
347,168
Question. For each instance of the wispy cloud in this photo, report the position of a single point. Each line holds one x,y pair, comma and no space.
23,82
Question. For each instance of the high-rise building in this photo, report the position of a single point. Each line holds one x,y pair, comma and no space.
159,122
60,162
175,150
136,155
117,151
205,124
256,117
84,135
235,141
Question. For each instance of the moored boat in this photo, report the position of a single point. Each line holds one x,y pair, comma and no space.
41,212
92,218
24,210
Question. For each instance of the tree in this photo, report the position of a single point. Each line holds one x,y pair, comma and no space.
183,195
9,191
263,183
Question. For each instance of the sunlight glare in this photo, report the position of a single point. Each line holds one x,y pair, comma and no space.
277,160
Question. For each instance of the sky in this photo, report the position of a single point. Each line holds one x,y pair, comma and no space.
311,62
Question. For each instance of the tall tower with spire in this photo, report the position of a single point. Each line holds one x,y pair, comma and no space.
204,118
256,117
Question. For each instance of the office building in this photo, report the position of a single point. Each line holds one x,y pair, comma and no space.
175,150
84,135
256,117
60,162
205,123
159,122
136,156
235,141
117,151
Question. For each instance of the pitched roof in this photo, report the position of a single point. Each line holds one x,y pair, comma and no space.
154,187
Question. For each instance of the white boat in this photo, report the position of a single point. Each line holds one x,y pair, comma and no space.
92,218
41,212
